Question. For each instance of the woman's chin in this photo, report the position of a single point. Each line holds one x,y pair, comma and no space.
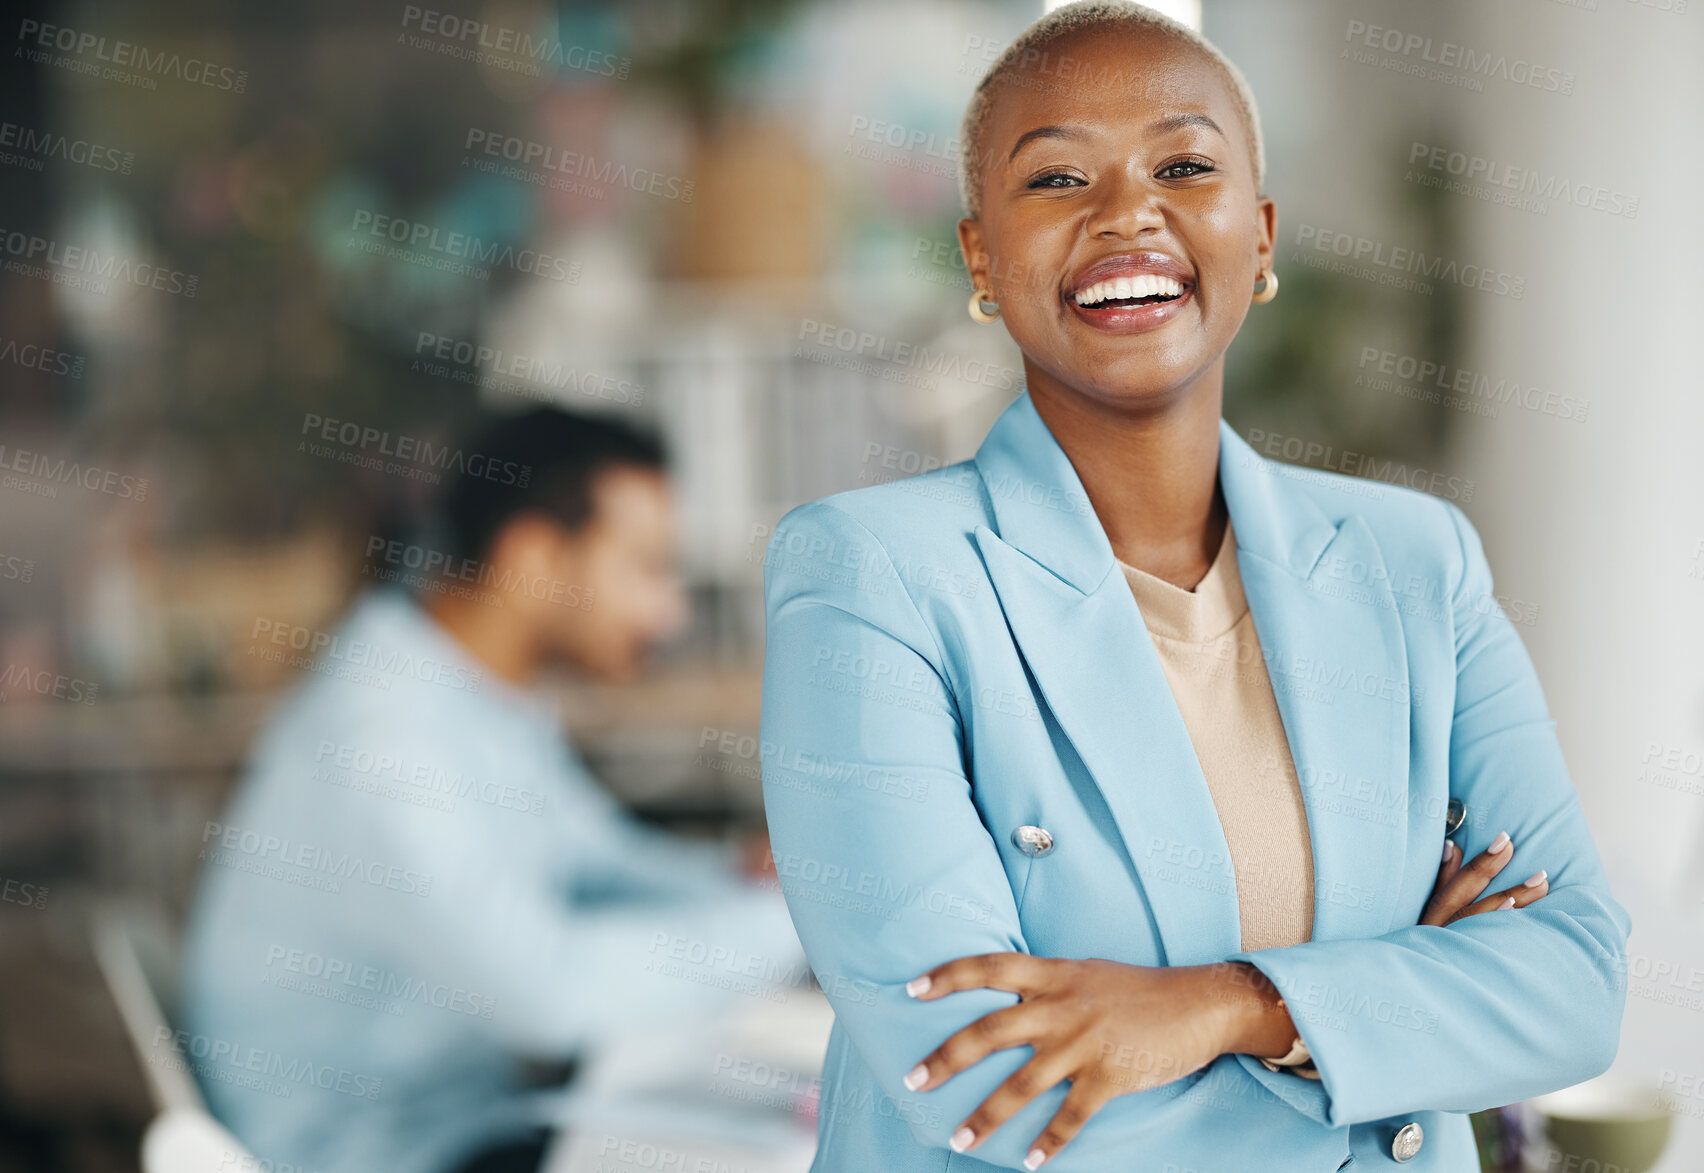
1136,384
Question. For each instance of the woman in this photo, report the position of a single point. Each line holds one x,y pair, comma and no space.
1108,772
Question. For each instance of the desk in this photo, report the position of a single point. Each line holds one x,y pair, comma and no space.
737,1095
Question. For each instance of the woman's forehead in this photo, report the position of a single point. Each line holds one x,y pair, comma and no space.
1143,94
1110,70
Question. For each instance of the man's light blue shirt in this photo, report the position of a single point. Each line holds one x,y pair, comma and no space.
417,885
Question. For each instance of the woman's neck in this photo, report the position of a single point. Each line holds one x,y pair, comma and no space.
1152,475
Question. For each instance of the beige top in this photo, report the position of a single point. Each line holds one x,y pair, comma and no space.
1212,659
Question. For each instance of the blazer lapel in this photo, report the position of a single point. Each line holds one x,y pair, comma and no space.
1092,658
1079,630
1331,633
1077,626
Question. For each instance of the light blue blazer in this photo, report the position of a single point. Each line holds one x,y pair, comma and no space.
955,656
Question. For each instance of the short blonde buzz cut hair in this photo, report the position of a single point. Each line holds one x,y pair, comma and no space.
1082,16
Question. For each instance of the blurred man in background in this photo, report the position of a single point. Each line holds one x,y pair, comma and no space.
418,891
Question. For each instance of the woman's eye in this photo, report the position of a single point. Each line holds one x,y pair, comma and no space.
1055,179
1184,168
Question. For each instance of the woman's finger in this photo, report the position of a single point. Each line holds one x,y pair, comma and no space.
1042,1072
1016,973
1011,1027
1085,1098
1437,911
1462,888
1450,866
1535,887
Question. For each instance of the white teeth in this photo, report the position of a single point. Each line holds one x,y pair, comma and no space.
1123,288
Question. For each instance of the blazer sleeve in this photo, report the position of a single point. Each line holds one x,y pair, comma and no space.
1514,1004
887,868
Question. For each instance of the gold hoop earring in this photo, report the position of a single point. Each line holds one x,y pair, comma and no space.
976,310
1269,290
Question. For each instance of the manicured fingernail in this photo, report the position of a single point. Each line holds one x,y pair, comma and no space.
1500,842
917,987
1034,1160
918,1076
1447,846
1508,902
1535,879
961,1140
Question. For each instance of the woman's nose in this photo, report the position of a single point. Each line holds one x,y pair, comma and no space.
1126,205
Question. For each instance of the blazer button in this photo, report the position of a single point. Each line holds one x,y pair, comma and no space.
1454,816
1407,1143
1034,842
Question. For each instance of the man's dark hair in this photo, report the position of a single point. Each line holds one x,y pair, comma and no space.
542,461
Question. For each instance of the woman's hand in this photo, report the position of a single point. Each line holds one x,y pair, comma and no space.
1456,893
1112,1028
1109,1028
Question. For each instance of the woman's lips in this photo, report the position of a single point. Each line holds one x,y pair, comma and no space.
1131,317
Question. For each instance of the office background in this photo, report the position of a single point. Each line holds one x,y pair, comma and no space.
227,303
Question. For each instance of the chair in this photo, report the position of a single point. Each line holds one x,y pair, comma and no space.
137,958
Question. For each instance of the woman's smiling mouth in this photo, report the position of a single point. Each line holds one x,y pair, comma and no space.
1131,293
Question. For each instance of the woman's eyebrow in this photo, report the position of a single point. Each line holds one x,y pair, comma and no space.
1065,132
1173,122
1164,125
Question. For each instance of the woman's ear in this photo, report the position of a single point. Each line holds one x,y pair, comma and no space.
975,256
1266,227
